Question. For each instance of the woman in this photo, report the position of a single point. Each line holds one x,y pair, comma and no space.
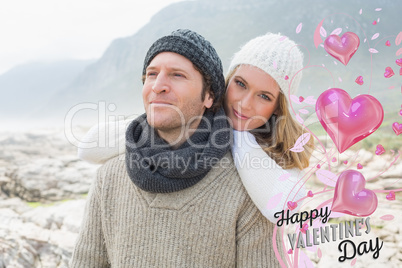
261,77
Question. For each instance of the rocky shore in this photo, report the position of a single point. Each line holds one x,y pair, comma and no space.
43,186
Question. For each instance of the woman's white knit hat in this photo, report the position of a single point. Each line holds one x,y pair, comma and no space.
275,54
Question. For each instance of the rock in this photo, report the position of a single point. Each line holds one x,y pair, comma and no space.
65,216
16,252
57,181
40,237
387,252
395,171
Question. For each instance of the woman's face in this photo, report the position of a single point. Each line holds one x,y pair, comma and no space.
251,98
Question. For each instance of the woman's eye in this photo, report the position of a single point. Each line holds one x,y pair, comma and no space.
240,83
265,97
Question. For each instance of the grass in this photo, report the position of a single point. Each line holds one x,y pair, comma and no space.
49,204
34,204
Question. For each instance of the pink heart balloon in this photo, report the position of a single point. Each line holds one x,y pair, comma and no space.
342,48
348,121
351,197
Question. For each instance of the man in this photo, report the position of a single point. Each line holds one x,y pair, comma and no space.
177,200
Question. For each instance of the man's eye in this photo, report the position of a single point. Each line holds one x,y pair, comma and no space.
151,74
178,75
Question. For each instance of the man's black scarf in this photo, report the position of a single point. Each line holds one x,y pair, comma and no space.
155,167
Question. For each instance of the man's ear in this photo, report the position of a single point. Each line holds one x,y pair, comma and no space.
208,100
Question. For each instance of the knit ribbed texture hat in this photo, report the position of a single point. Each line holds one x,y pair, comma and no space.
277,55
195,48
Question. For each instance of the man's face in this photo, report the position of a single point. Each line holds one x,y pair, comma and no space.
172,93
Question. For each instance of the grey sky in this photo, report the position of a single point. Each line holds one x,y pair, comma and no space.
67,29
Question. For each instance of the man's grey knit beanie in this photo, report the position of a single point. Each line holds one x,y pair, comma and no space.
195,48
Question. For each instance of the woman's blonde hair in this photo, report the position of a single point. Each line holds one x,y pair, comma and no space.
279,134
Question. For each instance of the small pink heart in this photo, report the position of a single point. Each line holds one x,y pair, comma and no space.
359,166
313,214
397,128
400,112
318,166
342,48
333,159
310,194
380,150
304,228
345,162
292,205
286,77
391,196
359,80
301,99
290,251
399,62
388,72
388,43
351,197
374,22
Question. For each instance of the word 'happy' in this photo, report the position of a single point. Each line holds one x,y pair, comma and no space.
304,216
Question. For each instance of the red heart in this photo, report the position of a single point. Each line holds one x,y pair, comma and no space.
310,194
399,62
380,150
346,120
351,197
342,48
292,205
397,128
391,196
388,72
304,228
359,80
388,43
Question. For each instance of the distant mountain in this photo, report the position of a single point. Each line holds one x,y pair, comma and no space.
25,89
116,76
